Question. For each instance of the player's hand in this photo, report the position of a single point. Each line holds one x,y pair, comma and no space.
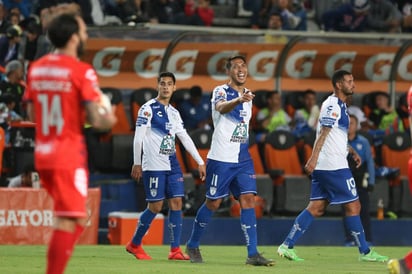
247,96
357,159
202,172
310,166
136,172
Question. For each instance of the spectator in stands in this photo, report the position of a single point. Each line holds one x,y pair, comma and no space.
384,117
198,13
384,16
4,24
255,6
28,178
402,110
363,122
9,44
293,14
130,11
321,6
305,119
24,6
11,84
195,111
34,43
165,11
364,177
273,117
275,22
348,17
405,6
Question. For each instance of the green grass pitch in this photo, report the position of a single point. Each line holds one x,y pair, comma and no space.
16,259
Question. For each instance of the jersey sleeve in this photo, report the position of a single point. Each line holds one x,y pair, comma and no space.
90,90
330,113
219,94
144,116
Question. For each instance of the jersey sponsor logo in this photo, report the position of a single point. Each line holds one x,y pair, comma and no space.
91,75
243,113
141,121
159,113
239,135
167,146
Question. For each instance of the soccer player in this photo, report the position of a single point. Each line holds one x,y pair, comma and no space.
60,91
158,123
229,166
404,265
332,180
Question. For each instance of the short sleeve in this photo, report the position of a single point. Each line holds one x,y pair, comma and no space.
329,114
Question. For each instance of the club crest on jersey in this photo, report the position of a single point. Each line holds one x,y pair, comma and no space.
153,192
167,147
212,190
239,135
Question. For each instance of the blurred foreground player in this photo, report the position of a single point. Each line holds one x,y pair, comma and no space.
404,265
62,94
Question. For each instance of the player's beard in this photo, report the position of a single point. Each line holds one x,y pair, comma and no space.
80,49
347,91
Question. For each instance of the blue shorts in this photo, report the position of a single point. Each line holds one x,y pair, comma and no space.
223,178
336,186
159,185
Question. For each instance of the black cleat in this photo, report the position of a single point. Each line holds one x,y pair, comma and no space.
194,254
259,260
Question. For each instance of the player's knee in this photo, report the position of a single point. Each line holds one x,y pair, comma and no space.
213,205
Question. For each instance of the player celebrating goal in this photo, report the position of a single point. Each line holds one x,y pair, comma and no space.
229,165
60,90
332,180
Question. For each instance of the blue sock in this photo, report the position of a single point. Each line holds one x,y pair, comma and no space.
301,224
202,219
248,225
175,227
354,225
142,226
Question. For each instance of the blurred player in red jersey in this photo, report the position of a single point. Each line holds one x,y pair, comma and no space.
62,94
404,265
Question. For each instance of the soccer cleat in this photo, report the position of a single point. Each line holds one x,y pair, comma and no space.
288,253
178,255
194,254
137,251
396,267
372,256
259,260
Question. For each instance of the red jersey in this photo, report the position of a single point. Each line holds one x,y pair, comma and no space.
409,100
59,86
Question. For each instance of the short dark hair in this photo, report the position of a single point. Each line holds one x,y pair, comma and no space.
195,91
269,94
309,92
339,75
166,74
231,58
61,29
